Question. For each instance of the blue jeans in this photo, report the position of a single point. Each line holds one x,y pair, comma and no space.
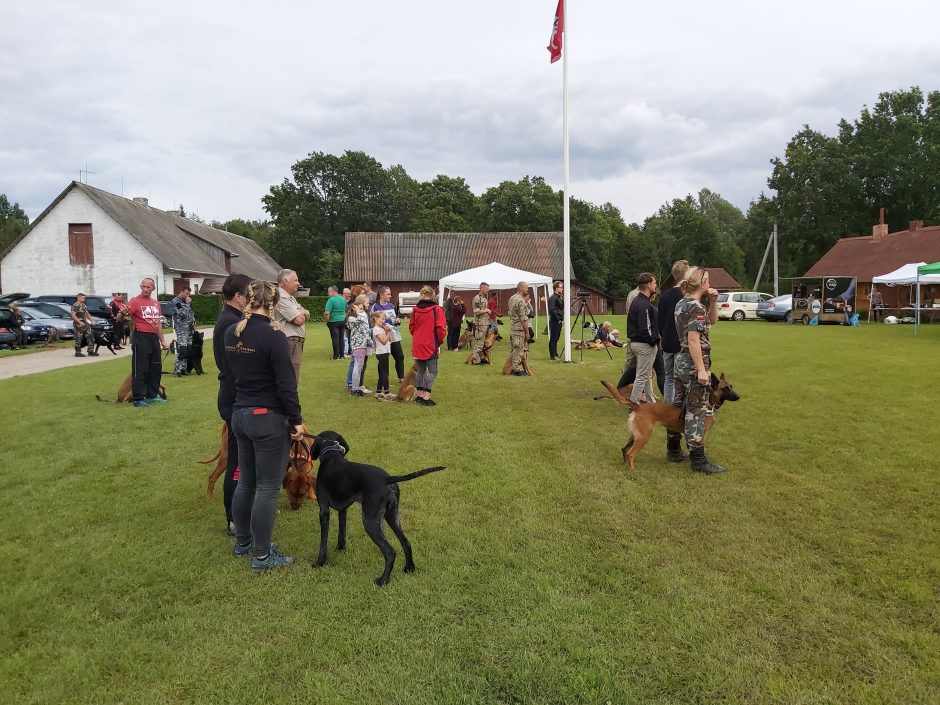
263,452
669,382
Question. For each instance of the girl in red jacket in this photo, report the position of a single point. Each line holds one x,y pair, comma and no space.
428,329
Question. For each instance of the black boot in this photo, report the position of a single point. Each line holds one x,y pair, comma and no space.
700,463
674,452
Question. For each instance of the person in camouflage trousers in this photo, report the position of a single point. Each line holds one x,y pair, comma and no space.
693,363
82,324
519,329
481,321
184,321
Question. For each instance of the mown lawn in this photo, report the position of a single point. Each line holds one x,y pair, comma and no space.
547,573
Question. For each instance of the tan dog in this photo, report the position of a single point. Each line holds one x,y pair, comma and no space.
487,353
466,337
646,417
507,366
299,481
125,393
406,390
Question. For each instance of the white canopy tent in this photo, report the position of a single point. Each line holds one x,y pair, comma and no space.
908,276
499,277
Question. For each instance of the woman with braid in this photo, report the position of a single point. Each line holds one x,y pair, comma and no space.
265,416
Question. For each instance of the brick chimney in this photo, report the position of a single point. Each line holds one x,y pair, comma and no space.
880,231
915,225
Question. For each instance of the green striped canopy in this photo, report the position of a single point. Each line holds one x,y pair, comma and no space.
929,268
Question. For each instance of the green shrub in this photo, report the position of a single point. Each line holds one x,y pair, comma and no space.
206,307
314,304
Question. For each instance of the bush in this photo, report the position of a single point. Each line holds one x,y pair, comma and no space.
314,304
206,307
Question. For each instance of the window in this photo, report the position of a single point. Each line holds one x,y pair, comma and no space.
737,297
81,244
751,298
765,297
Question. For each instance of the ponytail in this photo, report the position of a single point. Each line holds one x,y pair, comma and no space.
262,296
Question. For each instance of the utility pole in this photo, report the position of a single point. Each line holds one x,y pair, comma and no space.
771,242
776,269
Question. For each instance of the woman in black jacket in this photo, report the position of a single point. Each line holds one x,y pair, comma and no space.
265,416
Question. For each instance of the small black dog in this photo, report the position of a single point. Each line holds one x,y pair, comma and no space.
341,482
102,338
194,354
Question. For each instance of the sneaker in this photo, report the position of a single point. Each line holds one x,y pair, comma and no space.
365,391
140,403
92,354
79,353
240,550
357,393
430,402
275,559
421,401
156,400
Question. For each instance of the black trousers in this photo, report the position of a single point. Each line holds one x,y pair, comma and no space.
453,336
554,333
399,356
229,483
629,376
146,365
337,331
382,385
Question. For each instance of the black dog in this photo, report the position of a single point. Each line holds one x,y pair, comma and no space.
194,354
102,338
341,482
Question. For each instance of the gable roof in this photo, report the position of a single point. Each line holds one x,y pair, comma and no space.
172,238
866,257
389,257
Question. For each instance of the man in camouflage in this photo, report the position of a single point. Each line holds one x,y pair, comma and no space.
82,324
184,320
693,366
519,329
481,321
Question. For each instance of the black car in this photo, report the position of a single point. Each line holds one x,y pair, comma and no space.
7,338
98,306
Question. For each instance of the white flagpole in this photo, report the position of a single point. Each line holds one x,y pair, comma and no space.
565,48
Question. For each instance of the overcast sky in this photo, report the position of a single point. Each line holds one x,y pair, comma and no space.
209,103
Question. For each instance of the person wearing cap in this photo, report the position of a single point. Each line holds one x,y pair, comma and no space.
82,320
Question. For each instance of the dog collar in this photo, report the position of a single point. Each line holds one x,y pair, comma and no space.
336,446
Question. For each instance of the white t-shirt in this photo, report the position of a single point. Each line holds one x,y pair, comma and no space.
379,347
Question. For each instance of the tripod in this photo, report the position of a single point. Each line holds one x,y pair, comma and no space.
583,312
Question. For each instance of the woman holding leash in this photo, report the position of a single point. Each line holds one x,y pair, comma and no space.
428,330
693,362
265,417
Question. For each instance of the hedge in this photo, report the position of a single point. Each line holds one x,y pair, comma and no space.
207,306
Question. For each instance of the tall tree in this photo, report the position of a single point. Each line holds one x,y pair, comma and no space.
527,205
446,205
13,221
257,230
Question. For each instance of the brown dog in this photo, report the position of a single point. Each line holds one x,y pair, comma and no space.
645,417
487,353
299,480
507,366
406,390
125,393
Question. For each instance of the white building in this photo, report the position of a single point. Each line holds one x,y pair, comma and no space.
92,241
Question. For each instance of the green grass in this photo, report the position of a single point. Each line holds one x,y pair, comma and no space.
547,572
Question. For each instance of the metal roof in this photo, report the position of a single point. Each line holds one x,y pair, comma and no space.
389,257
866,257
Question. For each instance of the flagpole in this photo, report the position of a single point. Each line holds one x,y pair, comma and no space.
566,47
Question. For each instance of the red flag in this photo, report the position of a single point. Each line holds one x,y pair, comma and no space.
558,29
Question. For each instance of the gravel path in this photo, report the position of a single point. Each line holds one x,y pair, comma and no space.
45,360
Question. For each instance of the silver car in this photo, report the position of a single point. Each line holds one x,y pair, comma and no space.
64,325
776,309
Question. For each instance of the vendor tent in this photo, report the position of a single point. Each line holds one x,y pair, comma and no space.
913,274
499,277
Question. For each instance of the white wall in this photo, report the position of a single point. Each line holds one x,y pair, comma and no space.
39,264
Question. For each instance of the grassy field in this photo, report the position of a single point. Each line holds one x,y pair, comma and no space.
547,573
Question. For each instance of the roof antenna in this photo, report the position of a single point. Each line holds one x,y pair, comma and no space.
86,173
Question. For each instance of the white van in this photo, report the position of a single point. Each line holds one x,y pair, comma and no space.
740,304
407,300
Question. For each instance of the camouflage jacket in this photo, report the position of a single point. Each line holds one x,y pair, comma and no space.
518,311
478,304
691,315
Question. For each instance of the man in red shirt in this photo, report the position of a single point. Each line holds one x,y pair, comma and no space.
493,305
146,344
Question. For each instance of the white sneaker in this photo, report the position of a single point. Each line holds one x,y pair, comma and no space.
365,391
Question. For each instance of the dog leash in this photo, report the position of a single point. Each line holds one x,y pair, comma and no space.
300,452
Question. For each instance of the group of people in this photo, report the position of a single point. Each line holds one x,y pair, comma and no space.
672,339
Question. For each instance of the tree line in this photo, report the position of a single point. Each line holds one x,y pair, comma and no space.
822,188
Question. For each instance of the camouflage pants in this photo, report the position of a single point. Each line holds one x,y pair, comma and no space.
83,336
184,338
693,397
479,338
518,347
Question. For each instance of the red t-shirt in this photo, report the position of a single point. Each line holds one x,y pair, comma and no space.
145,312
492,306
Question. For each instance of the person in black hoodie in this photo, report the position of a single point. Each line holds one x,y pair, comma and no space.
670,346
643,328
234,293
265,416
556,317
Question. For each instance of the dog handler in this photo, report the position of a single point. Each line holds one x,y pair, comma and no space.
146,344
481,322
184,322
693,362
234,294
428,330
266,415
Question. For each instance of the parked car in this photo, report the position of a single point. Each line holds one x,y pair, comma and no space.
776,309
7,338
103,324
166,318
739,305
97,305
63,325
